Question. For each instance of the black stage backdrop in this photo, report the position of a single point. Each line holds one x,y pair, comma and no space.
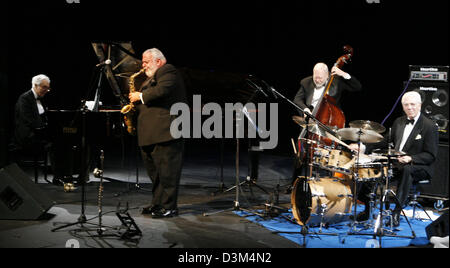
278,41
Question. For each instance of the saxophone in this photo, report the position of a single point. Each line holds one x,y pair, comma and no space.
129,110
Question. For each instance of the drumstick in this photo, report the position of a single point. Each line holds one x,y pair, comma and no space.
293,145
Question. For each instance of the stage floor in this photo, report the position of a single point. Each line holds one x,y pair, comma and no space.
200,193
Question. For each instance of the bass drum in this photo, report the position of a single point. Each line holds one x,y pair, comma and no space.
326,201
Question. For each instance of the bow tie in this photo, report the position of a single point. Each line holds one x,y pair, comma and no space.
410,121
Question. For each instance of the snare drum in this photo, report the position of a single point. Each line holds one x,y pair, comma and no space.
339,160
326,200
332,159
370,171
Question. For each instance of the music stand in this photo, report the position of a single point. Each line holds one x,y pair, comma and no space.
84,166
237,186
248,180
83,171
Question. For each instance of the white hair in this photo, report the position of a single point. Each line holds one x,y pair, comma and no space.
37,80
321,67
413,95
156,53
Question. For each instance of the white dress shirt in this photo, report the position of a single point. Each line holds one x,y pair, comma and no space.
318,92
407,132
38,103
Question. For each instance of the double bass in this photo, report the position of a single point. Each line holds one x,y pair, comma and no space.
326,112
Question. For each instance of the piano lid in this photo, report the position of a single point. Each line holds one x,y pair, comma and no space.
213,86
124,63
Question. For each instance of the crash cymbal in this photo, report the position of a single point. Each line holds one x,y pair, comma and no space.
358,134
368,125
389,152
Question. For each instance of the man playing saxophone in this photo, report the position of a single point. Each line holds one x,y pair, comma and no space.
162,154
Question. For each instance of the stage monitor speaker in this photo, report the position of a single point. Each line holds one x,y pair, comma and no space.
435,104
20,198
439,227
438,186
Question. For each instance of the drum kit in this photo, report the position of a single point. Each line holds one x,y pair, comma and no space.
326,195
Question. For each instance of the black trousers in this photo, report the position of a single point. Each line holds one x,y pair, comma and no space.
163,162
408,174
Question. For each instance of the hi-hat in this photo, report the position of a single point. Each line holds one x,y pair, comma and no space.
389,152
358,134
367,125
300,121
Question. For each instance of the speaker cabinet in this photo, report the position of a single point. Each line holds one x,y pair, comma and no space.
20,198
435,104
439,183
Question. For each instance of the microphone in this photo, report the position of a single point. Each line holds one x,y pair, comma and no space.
257,87
106,62
271,89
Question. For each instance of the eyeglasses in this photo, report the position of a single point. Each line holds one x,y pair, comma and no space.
46,88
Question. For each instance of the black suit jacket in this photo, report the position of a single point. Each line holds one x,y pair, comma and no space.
422,144
304,96
159,93
27,120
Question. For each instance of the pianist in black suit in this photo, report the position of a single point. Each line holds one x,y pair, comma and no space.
31,135
162,154
415,135
30,115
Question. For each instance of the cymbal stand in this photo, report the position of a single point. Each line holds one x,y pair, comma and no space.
356,182
378,230
378,225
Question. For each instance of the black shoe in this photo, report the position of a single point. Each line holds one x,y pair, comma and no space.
164,213
57,182
150,210
363,216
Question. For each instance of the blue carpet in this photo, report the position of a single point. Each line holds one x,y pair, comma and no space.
341,235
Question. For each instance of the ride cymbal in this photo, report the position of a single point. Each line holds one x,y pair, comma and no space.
367,125
358,134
